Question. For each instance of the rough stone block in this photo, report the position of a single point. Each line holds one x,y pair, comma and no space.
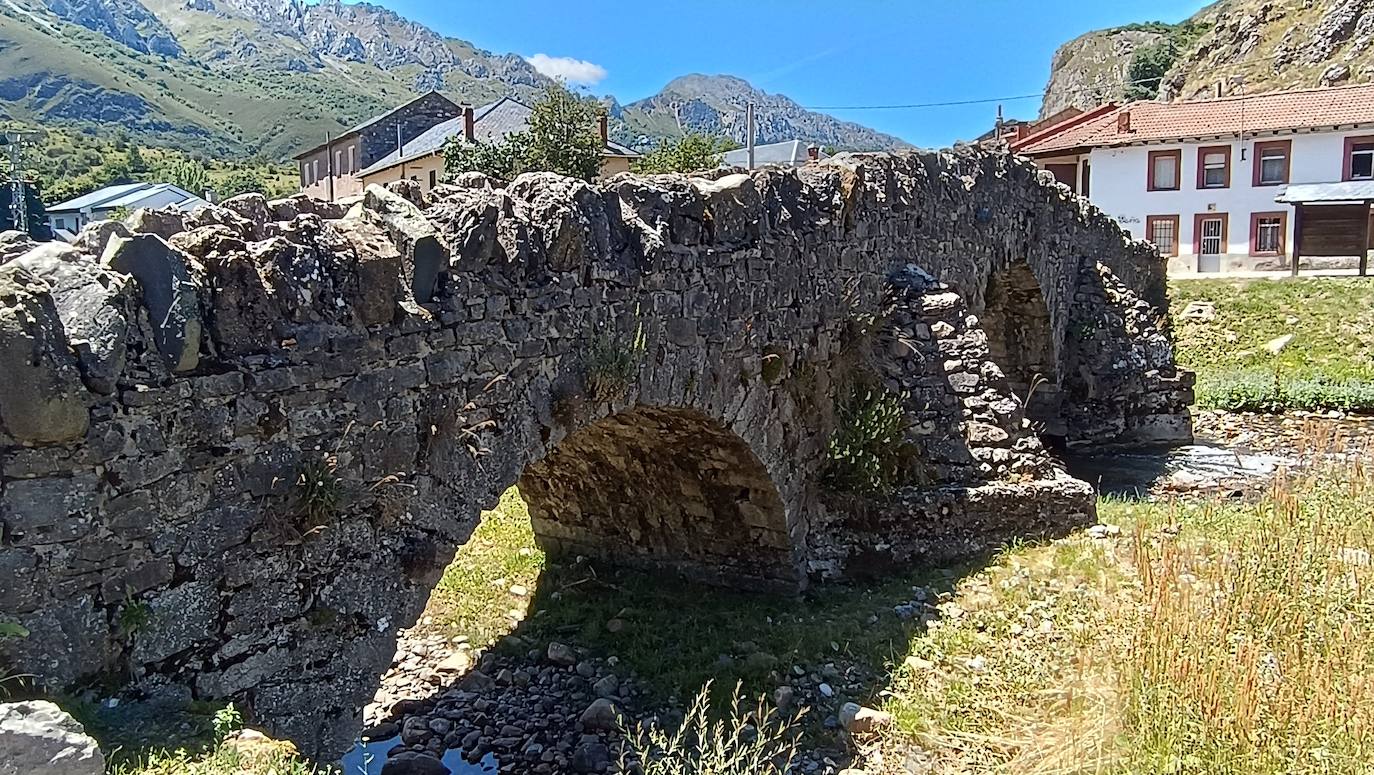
49,510
425,254
42,398
169,292
95,306
37,736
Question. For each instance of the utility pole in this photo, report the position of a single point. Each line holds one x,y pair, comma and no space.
19,209
749,131
329,161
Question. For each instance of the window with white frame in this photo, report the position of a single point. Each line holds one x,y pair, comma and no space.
1268,234
338,162
1273,164
350,159
1362,161
1214,172
315,170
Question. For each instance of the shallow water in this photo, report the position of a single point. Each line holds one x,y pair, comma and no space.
368,758
1195,467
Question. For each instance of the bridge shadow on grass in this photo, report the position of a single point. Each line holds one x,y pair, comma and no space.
669,636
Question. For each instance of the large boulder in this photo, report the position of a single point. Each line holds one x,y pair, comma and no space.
41,395
169,292
567,215
289,208
14,244
424,254
253,209
95,306
468,218
378,290
39,737
94,236
165,222
735,208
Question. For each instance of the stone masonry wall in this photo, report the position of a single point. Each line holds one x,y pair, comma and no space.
238,448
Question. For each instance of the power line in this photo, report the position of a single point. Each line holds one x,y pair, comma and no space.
990,100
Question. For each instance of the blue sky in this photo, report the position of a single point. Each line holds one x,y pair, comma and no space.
822,54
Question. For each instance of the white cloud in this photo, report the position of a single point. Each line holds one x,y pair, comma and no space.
568,70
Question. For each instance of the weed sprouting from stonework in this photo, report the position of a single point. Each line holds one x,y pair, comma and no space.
867,454
319,491
612,365
747,741
133,616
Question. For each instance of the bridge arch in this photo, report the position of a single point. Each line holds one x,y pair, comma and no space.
1021,342
665,488
269,424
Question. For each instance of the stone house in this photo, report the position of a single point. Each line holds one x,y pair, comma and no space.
332,169
1206,181
422,159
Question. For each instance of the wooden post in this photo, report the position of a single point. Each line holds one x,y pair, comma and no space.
1364,244
1297,238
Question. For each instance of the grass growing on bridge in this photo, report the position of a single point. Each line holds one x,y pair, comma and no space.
1329,364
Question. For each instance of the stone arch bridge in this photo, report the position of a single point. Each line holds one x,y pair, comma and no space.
239,446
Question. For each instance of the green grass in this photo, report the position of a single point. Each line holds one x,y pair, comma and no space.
672,641
1205,637
473,598
1328,364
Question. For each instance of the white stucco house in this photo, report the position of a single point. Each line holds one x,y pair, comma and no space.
1207,180
67,218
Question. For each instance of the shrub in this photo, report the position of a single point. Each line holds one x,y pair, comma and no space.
1254,392
611,367
689,153
744,742
867,454
319,493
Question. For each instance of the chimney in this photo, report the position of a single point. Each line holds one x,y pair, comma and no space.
1220,89
469,131
603,123
1123,122
813,152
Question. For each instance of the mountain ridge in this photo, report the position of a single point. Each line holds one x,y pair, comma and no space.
1228,47
268,77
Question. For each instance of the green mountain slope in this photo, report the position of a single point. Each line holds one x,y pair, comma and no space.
264,78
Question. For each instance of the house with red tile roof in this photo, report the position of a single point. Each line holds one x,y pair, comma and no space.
1207,181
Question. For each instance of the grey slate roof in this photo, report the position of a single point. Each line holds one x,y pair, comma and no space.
1316,193
490,123
379,117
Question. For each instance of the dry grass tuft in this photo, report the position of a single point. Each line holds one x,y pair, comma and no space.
1205,637
1256,654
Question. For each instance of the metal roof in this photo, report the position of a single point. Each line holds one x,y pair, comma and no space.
99,196
127,195
789,152
1317,193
